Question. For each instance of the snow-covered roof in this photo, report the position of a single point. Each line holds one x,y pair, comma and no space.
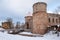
29,14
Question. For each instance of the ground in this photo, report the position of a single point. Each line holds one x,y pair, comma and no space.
48,36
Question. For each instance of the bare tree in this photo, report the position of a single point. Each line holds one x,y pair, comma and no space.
18,25
57,10
11,22
9,19
23,26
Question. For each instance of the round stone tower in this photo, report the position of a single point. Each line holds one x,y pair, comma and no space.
40,19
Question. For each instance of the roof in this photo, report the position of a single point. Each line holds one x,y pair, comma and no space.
53,14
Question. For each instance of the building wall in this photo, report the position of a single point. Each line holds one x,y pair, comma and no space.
6,25
53,19
28,23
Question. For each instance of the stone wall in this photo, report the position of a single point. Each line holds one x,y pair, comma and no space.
40,22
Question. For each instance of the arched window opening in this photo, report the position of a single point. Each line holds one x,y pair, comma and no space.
27,25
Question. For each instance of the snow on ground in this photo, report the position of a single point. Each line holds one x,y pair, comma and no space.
30,34
2,29
48,36
25,33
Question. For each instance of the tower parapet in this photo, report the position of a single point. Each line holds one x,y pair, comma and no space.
39,6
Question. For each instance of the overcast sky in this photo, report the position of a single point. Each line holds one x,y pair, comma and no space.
17,9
